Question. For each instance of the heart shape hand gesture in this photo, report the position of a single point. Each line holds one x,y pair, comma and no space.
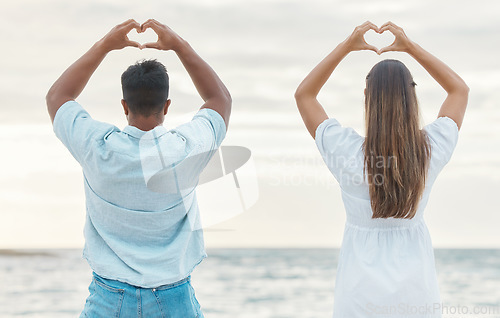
357,42
118,39
168,40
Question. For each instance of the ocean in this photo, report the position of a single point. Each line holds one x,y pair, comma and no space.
241,283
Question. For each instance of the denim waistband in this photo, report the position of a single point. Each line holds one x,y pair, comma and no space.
121,285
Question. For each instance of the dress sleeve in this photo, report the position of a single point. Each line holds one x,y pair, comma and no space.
443,136
338,146
77,130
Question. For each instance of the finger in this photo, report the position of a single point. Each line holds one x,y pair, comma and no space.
126,22
151,23
151,20
390,25
389,28
366,23
373,26
369,26
137,26
386,24
144,25
366,26
148,21
132,25
151,45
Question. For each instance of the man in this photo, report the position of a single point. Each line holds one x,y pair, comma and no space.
142,238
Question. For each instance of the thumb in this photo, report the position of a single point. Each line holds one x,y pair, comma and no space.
133,43
151,45
385,49
371,48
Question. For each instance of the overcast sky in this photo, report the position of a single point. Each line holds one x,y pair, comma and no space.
261,50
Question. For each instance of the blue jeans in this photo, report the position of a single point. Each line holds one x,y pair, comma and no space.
111,298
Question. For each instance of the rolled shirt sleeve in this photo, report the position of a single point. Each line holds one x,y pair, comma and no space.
207,129
77,130
201,137
204,134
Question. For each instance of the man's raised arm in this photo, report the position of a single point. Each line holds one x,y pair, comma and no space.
206,81
72,82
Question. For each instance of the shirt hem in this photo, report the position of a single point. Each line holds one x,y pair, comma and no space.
156,284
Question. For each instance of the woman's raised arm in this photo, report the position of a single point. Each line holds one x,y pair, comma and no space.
310,109
458,92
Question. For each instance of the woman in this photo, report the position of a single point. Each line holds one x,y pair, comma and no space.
386,265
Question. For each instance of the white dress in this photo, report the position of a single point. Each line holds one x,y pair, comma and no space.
386,266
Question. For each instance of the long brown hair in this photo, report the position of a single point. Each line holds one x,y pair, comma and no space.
397,151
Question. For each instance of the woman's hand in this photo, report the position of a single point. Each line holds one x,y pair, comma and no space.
356,41
401,42
311,110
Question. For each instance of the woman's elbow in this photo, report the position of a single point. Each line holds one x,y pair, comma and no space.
462,88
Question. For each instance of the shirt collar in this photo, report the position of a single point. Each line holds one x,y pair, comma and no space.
141,134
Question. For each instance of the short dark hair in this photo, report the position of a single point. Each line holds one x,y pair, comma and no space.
145,87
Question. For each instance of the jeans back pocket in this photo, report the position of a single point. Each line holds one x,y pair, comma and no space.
104,301
178,302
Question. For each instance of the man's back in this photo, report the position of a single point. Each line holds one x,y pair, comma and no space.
143,224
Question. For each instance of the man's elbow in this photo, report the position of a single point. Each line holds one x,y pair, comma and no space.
466,89
54,101
301,96
226,100
50,100
53,98
226,97
298,93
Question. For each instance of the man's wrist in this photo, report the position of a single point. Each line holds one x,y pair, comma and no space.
101,47
182,47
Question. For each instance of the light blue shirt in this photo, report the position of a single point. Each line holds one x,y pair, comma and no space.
142,221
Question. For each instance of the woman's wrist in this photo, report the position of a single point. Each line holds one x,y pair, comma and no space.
344,47
412,48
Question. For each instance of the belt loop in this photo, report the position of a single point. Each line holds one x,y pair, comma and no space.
139,302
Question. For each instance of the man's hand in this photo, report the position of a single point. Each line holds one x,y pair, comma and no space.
206,81
167,39
117,38
71,83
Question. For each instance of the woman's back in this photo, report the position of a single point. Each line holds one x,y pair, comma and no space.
385,263
341,149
